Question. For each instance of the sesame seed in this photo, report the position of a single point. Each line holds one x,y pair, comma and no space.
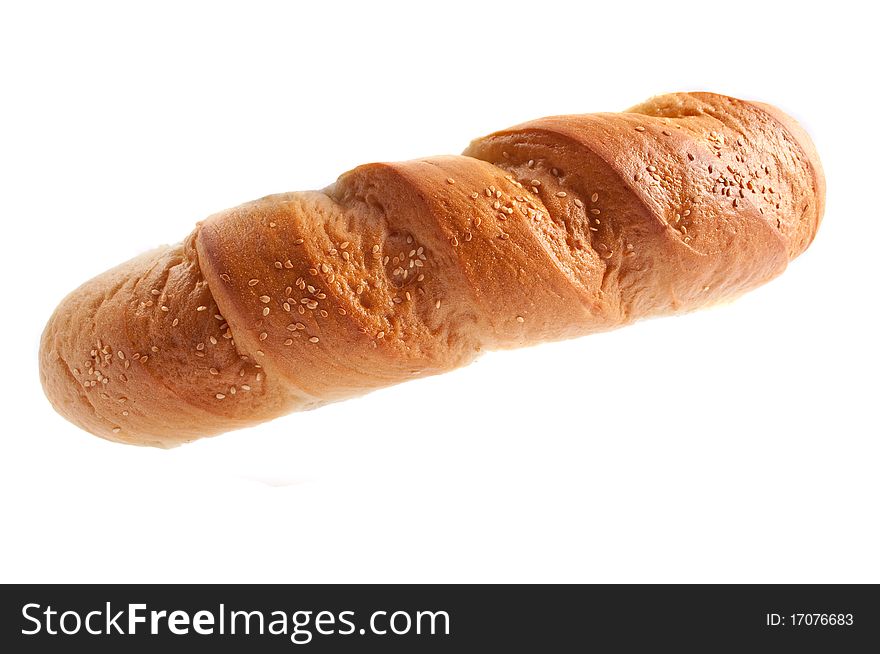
201,307
263,336
578,203
175,322
214,371
314,339
437,305
154,348
475,195
265,299
449,180
380,335
164,308
245,387
288,341
220,396
116,430
272,224
253,282
520,319
298,241
224,277
325,268
265,311
666,132
639,128
155,292
652,169
560,194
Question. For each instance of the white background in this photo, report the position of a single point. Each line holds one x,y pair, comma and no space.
735,444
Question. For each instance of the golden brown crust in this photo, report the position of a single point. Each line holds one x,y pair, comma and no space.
133,356
552,229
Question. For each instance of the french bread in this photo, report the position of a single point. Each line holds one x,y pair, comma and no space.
548,230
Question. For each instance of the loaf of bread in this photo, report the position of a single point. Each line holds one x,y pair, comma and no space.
552,229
